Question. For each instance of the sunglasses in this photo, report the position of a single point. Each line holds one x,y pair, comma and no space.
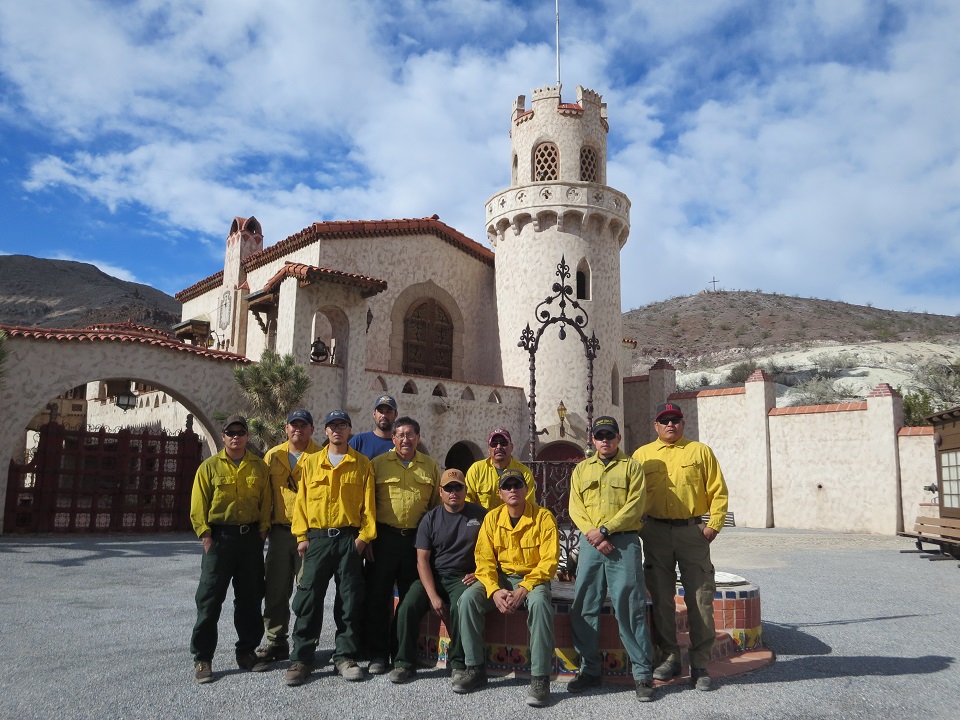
234,433
453,488
499,443
602,436
670,421
513,486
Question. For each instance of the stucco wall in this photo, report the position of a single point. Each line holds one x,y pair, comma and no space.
918,468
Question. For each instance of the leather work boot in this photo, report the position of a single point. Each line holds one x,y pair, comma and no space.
296,674
248,660
349,670
203,672
667,670
539,693
583,681
644,690
700,679
471,679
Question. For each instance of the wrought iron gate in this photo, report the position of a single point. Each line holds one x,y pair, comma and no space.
94,481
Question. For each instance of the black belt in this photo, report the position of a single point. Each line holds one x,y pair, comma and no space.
313,533
234,529
676,523
622,532
403,532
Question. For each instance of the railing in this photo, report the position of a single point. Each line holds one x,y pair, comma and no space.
553,491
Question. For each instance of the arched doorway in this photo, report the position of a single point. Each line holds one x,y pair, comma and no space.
561,451
461,456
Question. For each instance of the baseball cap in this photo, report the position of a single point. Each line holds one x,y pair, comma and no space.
452,476
669,409
512,474
300,414
337,416
385,400
605,422
235,420
503,432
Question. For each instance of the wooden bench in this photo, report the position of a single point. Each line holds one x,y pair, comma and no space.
942,532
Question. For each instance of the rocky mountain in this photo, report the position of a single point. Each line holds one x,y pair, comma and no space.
717,328
35,292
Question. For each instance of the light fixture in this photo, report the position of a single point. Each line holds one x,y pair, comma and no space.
562,413
125,400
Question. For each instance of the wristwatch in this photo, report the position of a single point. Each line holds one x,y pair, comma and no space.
604,531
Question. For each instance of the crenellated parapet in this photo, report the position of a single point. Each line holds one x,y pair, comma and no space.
577,207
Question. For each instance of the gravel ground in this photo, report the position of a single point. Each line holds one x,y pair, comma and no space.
99,627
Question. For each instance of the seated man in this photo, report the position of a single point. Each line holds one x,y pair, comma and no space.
446,538
517,555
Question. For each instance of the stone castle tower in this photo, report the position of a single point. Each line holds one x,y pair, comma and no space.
559,208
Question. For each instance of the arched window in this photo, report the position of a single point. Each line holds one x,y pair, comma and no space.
589,167
546,162
428,340
513,172
583,280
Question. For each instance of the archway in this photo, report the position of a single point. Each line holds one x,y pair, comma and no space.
461,456
561,451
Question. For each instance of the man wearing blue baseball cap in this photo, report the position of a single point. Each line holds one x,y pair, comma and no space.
380,439
283,561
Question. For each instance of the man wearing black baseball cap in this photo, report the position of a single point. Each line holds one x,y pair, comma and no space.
446,539
230,512
380,439
607,499
283,561
684,482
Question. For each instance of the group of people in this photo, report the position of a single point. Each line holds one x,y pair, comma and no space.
373,512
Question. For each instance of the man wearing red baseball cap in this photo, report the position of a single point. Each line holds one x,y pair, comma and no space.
684,482
483,477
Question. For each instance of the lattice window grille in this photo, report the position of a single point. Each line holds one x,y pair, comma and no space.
546,162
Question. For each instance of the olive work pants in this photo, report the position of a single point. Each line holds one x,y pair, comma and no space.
620,572
232,558
337,558
281,568
665,547
394,561
411,612
474,606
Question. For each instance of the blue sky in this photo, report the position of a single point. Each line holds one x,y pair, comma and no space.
805,147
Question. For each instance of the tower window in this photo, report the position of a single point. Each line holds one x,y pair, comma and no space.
546,162
583,280
589,167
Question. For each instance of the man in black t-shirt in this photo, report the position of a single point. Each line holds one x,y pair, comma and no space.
446,538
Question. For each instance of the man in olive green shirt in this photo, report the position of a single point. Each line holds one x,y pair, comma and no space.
483,477
230,512
684,481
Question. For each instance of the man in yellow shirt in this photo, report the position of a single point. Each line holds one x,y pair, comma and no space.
483,477
230,512
607,499
333,521
408,484
517,555
283,561
684,481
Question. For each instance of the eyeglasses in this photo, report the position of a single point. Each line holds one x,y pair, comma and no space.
406,436
338,427
513,486
453,488
670,421
499,443
234,433
604,436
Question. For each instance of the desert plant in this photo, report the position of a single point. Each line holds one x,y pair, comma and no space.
917,406
272,387
820,391
942,383
741,371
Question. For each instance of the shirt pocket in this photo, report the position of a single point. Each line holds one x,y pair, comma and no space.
529,554
351,487
690,474
224,492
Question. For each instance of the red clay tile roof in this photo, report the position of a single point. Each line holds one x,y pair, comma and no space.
93,334
197,289
307,274
130,328
347,229
913,430
810,409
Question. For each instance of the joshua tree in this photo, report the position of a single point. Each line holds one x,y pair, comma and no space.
273,387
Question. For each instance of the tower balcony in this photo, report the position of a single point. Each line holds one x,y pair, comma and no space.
575,206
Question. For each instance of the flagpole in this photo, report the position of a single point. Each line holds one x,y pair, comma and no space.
558,43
